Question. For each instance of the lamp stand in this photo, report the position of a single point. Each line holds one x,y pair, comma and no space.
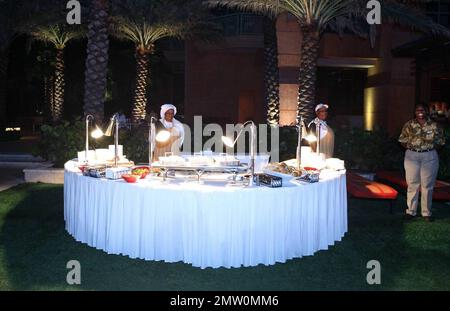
299,143
151,141
116,144
252,153
86,152
318,125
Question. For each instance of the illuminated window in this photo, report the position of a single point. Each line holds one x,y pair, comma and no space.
12,129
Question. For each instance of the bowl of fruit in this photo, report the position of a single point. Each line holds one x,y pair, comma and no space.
142,171
82,167
131,178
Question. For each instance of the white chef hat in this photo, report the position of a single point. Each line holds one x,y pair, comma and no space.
166,107
320,106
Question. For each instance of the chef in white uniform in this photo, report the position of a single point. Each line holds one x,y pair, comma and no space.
172,125
326,143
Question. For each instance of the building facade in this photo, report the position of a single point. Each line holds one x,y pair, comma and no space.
365,86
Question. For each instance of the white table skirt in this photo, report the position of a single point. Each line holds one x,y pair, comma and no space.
208,225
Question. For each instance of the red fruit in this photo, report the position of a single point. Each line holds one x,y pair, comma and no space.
130,178
310,168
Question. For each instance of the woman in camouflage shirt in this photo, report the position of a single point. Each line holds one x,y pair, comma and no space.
421,137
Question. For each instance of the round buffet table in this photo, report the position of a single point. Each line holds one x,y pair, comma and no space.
206,225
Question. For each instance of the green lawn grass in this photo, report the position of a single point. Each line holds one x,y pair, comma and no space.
34,250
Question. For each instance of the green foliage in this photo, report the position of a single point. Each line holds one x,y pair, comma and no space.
339,15
288,142
59,34
135,144
444,159
145,22
368,150
361,150
60,143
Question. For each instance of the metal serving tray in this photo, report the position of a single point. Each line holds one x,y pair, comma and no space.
206,168
200,169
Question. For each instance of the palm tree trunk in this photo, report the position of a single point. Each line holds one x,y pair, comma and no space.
51,94
3,85
271,73
97,59
46,84
308,73
140,92
58,105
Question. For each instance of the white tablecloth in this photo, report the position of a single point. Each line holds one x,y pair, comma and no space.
209,225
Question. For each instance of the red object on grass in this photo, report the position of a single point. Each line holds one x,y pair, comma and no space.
441,189
361,187
397,178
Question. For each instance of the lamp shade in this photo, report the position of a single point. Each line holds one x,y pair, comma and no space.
97,133
109,129
227,141
311,138
162,136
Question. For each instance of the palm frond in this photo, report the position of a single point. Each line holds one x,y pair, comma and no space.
58,35
270,8
145,22
407,15
327,10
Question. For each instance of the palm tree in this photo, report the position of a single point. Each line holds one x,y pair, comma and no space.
144,22
97,59
59,36
46,68
314,16
18,16
271,72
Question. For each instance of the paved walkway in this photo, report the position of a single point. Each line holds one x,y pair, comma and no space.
11,173
15,156
10,177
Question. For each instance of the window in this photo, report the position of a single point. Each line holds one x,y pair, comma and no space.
439,11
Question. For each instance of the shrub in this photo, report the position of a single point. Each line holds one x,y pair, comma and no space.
444,159
368,150
360,149
288,142
135,143
60,143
